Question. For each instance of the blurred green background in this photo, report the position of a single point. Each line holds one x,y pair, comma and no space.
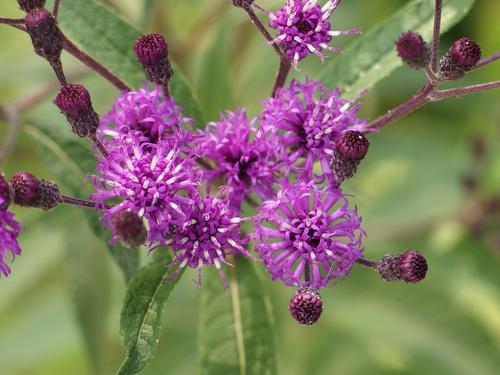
409,192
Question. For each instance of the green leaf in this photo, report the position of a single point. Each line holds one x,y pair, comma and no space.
372,57
110,40
236,326
214,89
70,160
140,321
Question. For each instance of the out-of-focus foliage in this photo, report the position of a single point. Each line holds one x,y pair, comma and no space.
408,191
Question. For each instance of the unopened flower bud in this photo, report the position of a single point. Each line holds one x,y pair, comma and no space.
463,55
74,102
44,33
245,4
413,50
350,149
29,5
306,306
410,266
130,229
152,52
5,194
30,191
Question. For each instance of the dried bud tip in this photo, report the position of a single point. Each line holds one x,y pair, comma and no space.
30,191
25,188
130,229
413,50
352,145
73,99
410,266
29,5
413,266
463,55
306,306
5,194
245,4
74,102
152,52
44,33
151,49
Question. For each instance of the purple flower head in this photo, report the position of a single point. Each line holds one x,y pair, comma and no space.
308,236
147,115
207,237
243,154
9,231
311,119
5,194
152,180
303,28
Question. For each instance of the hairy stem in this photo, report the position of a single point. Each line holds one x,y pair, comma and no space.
285,65
55,9
459,91
77,202
366,263
11,21
488,60
71,48
435,34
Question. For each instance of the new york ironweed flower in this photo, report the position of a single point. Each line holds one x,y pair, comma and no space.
147,115
210,233
308,236
244,156
9,229
311,118
303,28
152,180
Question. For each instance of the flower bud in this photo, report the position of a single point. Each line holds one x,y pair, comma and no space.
413,50
350,149
5,194
130,229
29,5
30,191
306,306
410,266
152,52
74,102
44,33
463,55
245,4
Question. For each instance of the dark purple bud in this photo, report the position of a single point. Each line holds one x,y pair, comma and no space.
130,228
30,191
413,50
29,5
25,187
5,194
352,145
44,33
306,306
463,55
410,266
74,102
245,4
152,52
413,266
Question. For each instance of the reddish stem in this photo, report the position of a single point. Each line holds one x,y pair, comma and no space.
11,21
435,35
459,91
55,9
488,60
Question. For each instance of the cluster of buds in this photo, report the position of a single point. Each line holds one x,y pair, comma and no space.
351,147
30,191
462,56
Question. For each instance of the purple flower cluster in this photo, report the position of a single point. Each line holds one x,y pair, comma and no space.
244,156
311,119
303,28
308,236
9,229
148,116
